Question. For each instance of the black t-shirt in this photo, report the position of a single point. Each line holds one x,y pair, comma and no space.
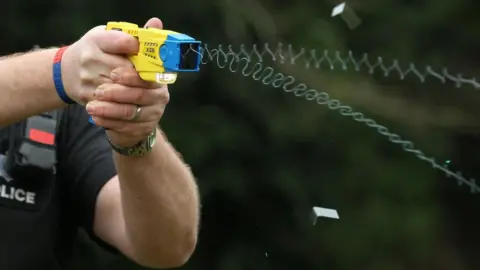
38,226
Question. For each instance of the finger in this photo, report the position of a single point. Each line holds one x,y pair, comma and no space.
114,42
118,93
113,62
154,23
124,112
130,77
134,129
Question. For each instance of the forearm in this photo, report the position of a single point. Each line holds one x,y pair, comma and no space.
26,86
160,204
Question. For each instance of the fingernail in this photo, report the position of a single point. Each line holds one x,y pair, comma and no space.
114,76
99,93
90,108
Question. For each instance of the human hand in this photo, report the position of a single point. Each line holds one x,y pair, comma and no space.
88,63
129,107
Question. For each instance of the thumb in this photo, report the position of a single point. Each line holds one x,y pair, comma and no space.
154,23
115,42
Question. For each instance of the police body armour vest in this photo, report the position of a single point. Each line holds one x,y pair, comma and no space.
28,151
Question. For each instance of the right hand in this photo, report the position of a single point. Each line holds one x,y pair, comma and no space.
88,63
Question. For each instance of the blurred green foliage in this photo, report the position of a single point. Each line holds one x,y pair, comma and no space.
263,158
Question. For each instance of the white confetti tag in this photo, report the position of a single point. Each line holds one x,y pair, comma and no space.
324,212
347,14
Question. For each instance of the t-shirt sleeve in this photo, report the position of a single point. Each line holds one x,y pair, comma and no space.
85,164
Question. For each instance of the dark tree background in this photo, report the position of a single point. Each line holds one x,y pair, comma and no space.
264,158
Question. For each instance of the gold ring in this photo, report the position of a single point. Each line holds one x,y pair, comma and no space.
136,115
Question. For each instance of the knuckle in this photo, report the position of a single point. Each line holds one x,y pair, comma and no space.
107,87
109,92
131,76
95,32
165,97
101,111
122,42
87,56
127,111
119,75
157,113
127,65
85,76
160,96
120,71
138,96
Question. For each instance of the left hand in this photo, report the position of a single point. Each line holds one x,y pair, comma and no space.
117,103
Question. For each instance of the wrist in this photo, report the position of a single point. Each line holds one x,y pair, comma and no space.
123,140
133,147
